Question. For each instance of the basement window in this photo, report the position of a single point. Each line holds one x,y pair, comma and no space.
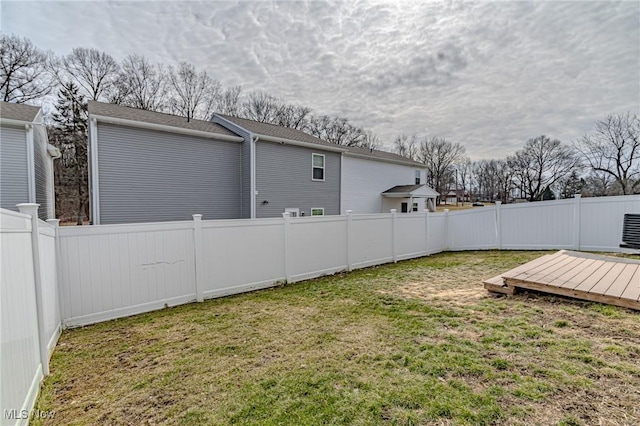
317,211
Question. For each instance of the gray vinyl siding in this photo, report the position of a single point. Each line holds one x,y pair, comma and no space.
245,182
42,168
283,175
14,173
149,176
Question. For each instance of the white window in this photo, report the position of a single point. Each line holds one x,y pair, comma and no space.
414,207
293,212
417,177
317,211
317,163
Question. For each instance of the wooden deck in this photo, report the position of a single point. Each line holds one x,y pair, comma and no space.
603,279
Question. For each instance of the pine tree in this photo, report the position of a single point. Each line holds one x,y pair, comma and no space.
70,136
573,185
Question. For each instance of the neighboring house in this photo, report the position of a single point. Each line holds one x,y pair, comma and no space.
26,159
148,166
286,162
457,195
292,170
371,180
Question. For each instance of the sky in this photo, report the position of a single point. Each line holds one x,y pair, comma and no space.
489,75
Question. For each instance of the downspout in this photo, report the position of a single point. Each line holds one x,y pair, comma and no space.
94,196
254,192
31,168
54,153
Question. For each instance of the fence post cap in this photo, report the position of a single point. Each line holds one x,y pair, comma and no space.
394,210
349,211
286,214
197,216
28,208
54,222
577,195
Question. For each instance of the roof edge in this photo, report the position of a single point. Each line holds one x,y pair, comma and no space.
227,122
285,141
386,160
163,128
16,123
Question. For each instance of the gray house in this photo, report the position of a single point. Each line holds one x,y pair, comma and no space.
289,170
150,167
26,159
147,166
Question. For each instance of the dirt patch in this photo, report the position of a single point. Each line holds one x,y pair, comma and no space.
427,291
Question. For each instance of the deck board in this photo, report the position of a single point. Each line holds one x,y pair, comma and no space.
623,280
580,275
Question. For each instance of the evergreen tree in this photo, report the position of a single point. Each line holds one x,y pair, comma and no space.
70,136
572,185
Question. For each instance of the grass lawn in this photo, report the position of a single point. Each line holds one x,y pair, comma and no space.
418,342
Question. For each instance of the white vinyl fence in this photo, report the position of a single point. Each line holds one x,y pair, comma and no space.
29,314
83,275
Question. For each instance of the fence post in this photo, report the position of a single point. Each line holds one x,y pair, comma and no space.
426,231
499,224
394,242
199,263
32,210
576,221
349,238
447,234
287,249
56,225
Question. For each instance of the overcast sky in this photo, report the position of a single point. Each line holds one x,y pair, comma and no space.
487,75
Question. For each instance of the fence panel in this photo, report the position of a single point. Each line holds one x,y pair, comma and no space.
437,238
473,229
242,255
372,240
601,221
539,225
51,306
110,271
410,235
318,246
20,367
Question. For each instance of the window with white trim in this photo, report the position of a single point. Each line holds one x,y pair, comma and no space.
293,212
414,207
317,164
417,177
317,211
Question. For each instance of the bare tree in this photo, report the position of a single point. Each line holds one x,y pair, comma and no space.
371,140
140,84
540,164
337,130
229,102
407,146
24,75
463,175
194,95
599,184
293,116
261,107
95,72
614,149
439,155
